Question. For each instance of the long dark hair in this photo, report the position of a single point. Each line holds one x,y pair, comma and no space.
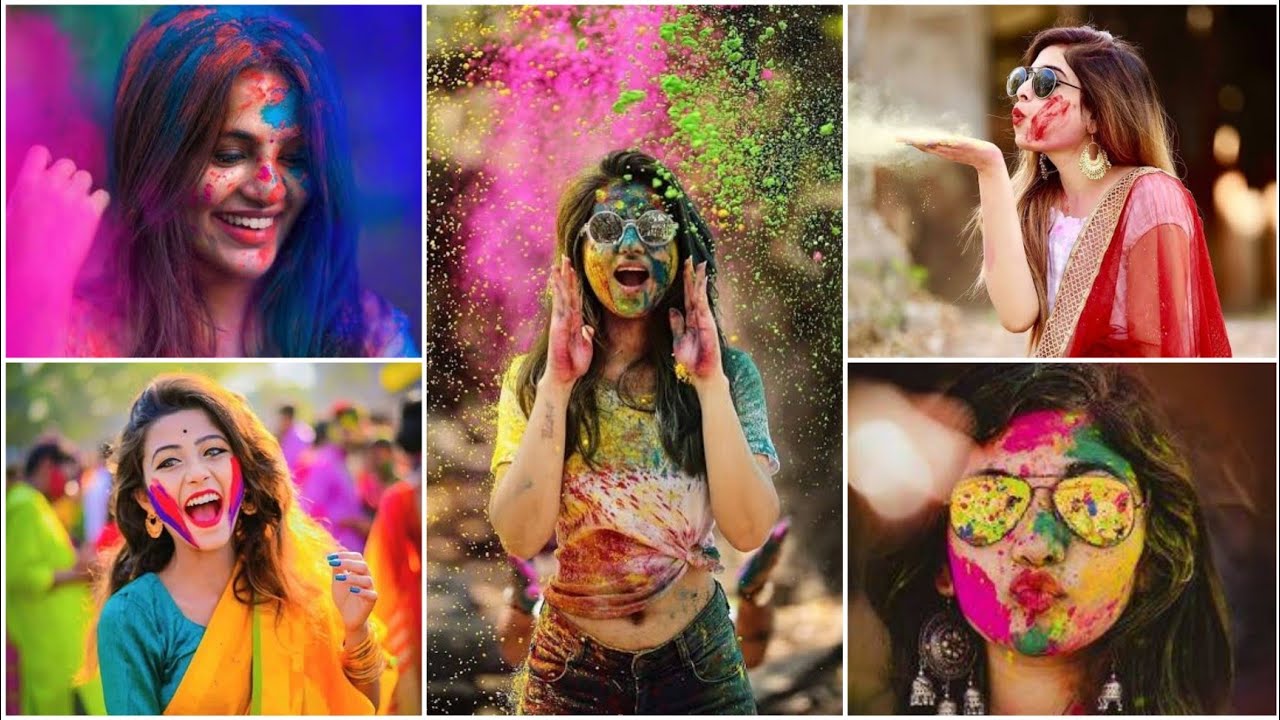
1171,644
676,404
265,540
171,93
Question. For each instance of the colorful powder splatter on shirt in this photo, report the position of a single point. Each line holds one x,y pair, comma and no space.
632,522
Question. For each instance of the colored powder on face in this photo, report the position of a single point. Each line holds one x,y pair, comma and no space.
237,491
1088,446
282,110
1033,642
977,597
1034,429
1054,110
169,512
1053,532
264,174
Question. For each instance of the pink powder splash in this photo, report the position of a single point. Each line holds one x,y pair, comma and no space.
978,598
552,79
1037,428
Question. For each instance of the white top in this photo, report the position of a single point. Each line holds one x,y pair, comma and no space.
1062,238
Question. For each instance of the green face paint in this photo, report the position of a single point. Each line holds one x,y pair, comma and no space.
629,277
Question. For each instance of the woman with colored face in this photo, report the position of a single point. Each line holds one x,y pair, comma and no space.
628,432
229,220
225,598
1069,570
1092,243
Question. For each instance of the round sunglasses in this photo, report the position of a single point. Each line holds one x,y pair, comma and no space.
1043,81
1100,510
654,227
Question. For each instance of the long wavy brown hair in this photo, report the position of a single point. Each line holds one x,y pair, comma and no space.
272,544
1132,128
1171,646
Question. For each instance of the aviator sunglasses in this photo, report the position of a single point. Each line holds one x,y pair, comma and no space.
1101,510
654,227
1043,81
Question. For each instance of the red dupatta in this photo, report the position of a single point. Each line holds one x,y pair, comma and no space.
1139,282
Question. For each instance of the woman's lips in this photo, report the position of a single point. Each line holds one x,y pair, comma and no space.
204,508
1018,117
631,277
1035,591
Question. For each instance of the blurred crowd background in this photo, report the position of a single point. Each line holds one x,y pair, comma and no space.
350,433
61,72
910,273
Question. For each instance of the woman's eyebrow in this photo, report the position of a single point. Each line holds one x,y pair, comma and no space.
1058,69
239,135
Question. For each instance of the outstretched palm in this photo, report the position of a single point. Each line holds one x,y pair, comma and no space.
695,340
569,348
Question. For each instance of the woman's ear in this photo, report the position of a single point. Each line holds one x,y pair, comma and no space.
942,581
140,497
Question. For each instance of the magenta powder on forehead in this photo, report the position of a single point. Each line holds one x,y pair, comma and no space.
1029,431
978,598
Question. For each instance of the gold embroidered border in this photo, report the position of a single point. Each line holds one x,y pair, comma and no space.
1083,266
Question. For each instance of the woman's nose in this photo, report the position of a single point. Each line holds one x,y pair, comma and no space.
630,240
266,186
1041,539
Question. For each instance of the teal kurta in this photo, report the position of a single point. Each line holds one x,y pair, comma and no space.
145,644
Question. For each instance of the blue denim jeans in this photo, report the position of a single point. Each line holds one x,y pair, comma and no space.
698,672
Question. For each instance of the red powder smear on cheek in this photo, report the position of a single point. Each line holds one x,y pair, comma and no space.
208,192
264,256
978,598
1030,431
1050,114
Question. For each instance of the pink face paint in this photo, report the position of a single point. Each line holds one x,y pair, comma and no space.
237,491
1049,115
1029,431
167,508
978,598
264,174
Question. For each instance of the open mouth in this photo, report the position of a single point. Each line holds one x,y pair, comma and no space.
631,277
204,508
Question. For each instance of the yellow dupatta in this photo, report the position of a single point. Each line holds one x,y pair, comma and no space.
297,671
1083,265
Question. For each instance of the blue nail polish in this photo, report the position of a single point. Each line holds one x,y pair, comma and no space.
355,589
331,556
334,562
340,576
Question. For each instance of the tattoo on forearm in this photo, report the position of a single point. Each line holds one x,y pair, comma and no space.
549,424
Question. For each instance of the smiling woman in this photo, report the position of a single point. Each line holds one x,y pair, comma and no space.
230,221
224,597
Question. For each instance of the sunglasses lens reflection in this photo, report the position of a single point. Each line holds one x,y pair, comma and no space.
656,228
605,227
1044,82
1016,78
1099,510
985,509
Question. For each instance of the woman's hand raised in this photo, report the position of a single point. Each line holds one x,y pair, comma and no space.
978,154
569,345
695,340
52,217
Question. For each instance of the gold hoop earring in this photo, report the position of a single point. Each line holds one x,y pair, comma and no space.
1094,168
154,526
